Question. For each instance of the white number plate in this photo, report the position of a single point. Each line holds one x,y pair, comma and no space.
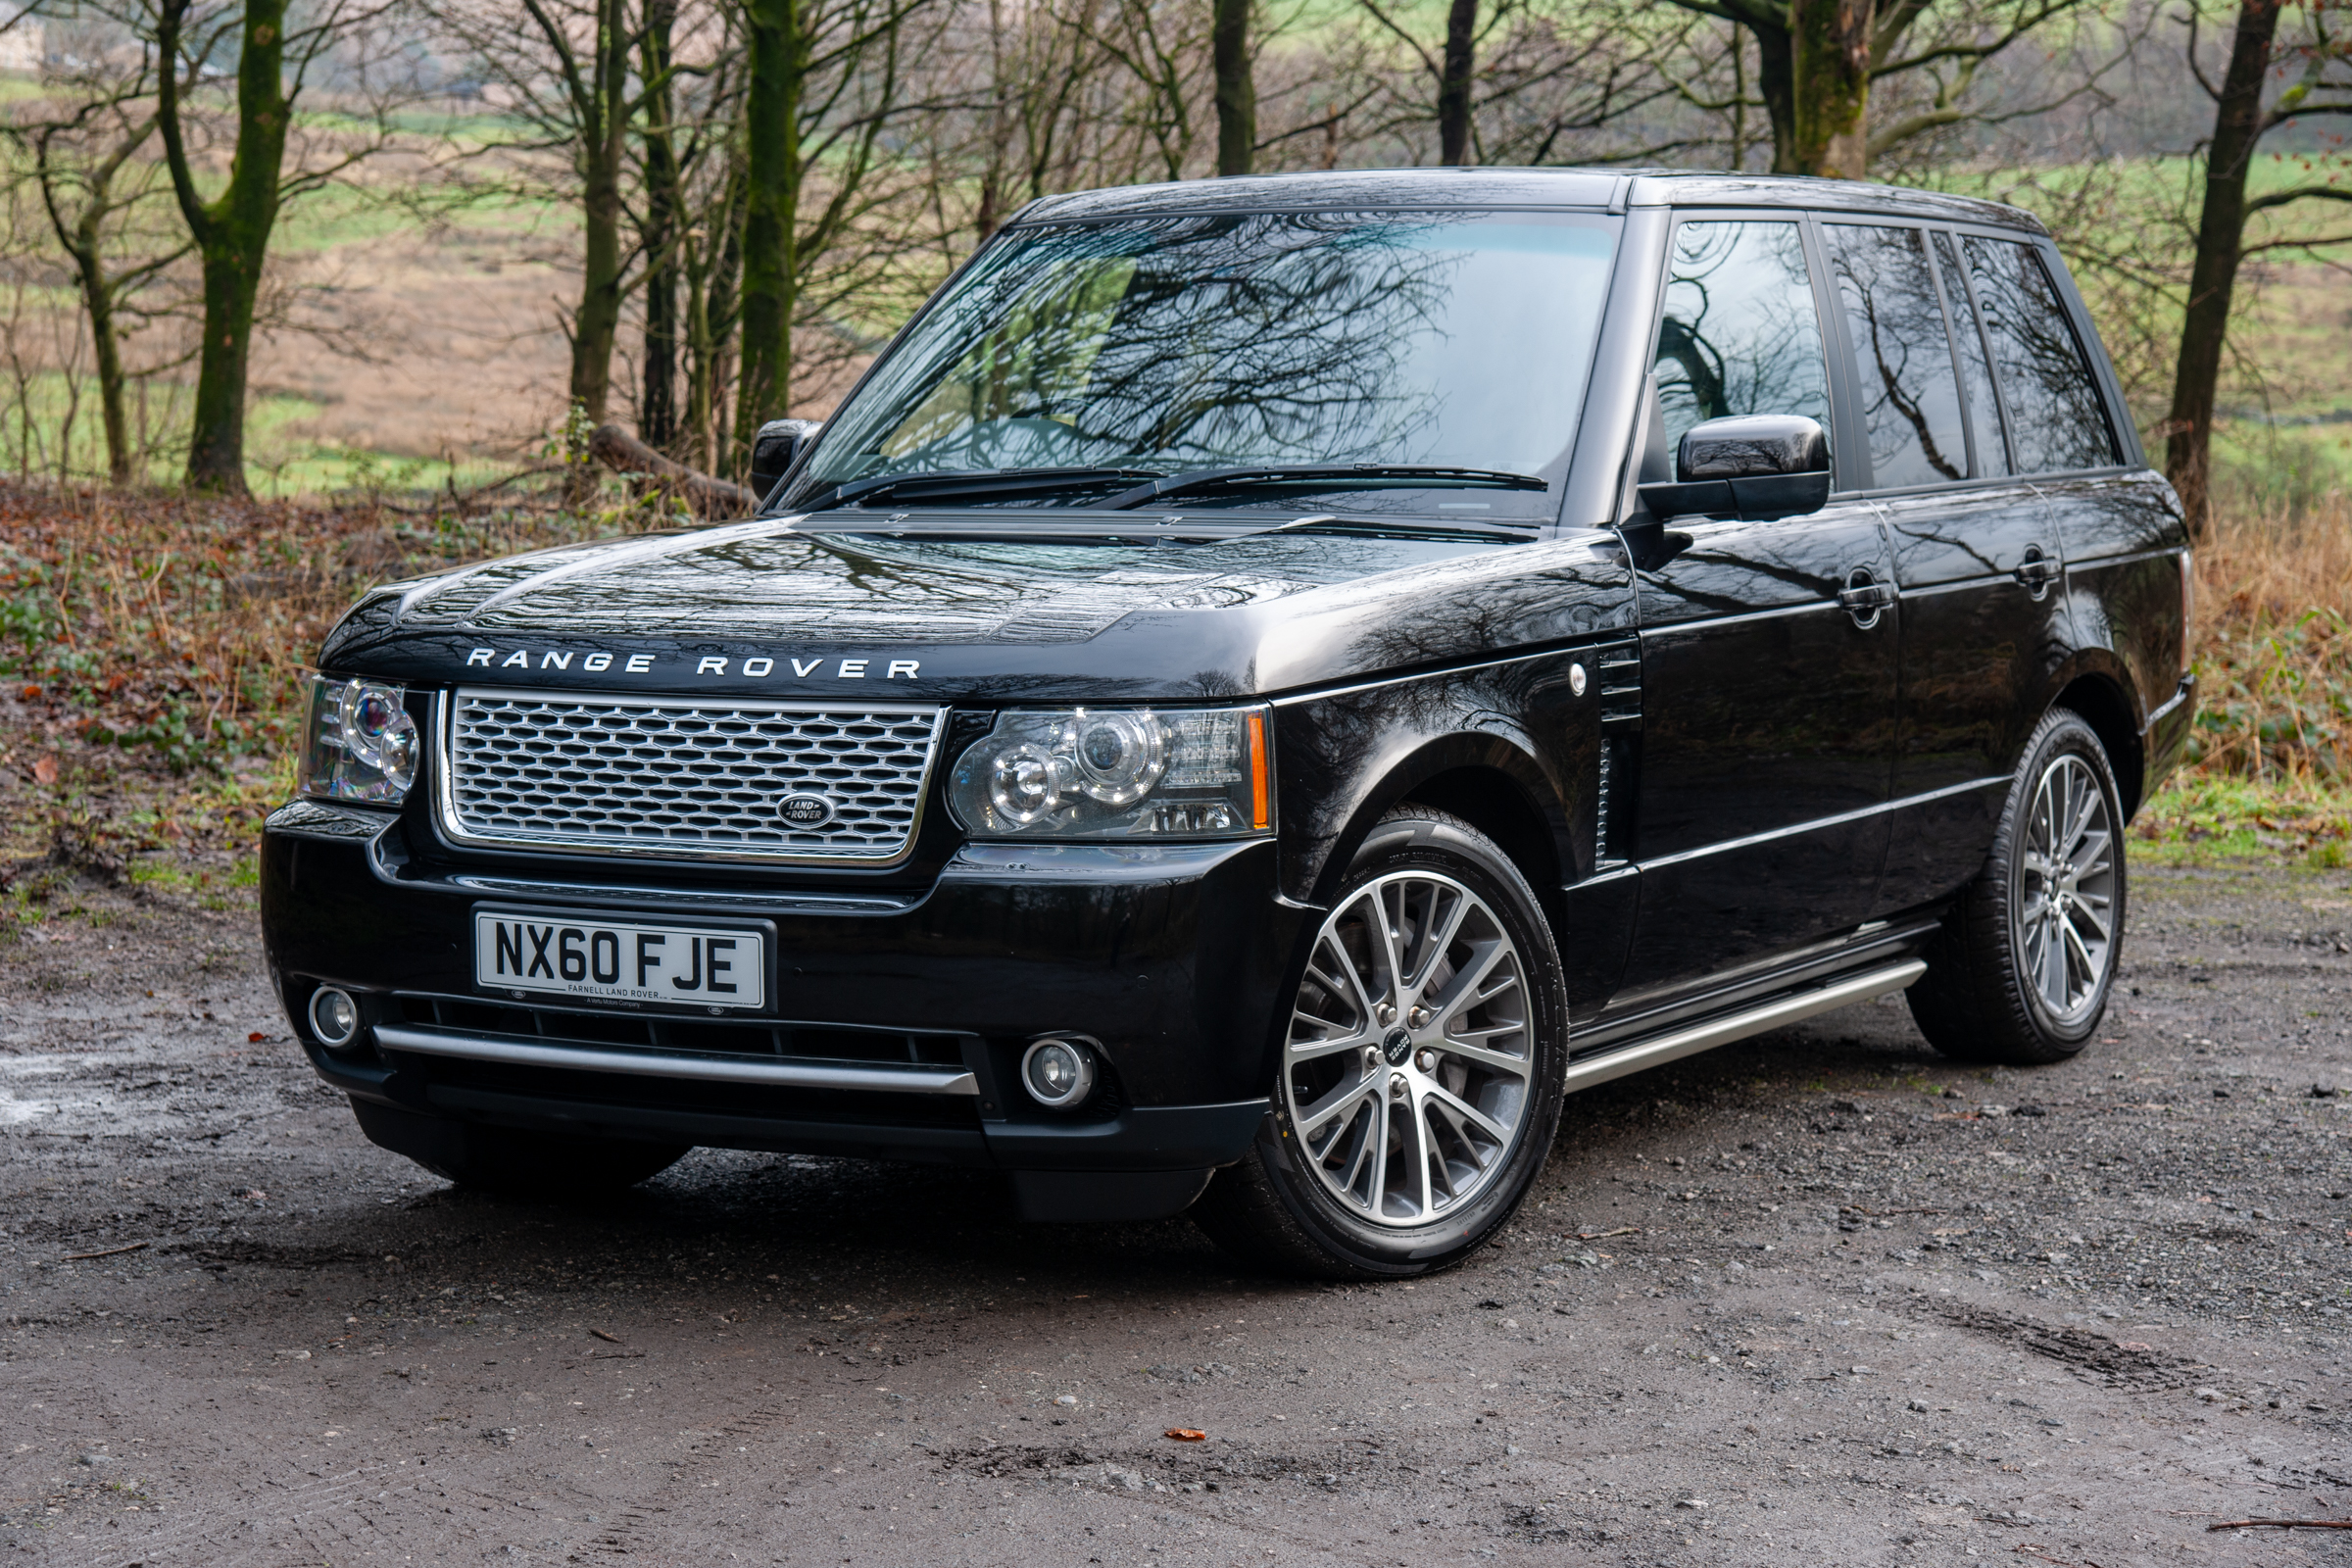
695,966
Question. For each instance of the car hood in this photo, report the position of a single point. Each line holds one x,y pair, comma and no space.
779,605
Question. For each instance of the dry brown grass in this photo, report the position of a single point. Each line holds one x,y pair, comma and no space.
149,645
2275,645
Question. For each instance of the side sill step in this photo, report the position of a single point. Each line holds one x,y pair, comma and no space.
676,1064
1723,1031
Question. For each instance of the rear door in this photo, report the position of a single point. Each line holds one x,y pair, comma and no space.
1976,557
2121,534
1768,703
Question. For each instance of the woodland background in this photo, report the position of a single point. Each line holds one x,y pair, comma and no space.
300,294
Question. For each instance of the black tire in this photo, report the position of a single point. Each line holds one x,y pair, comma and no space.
511,1162
2003,982
1273,1209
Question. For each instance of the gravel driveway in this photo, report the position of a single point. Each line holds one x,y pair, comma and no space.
1815,1298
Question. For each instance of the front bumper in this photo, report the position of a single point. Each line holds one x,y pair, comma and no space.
899,1017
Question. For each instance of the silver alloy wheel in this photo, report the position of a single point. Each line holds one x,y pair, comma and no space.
1410,1055
2064,910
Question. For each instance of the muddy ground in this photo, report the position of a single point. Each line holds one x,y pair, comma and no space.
1816,1298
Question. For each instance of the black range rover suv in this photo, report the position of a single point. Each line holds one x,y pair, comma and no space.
1261,690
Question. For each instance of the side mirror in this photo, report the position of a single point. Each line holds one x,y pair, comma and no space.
1756,467
774,449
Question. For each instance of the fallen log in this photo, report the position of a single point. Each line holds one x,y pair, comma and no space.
705,497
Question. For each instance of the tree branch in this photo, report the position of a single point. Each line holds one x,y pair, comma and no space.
168,18
2301,193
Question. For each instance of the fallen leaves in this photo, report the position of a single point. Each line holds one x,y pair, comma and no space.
1186,1434
609,1339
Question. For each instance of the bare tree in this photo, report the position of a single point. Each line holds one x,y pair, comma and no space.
1044,110
1818,61
1528,81
2318,62
822,85
97,186
565,68
232,229
687,211
1449,65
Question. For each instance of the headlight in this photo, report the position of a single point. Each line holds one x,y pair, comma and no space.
1117,773
357,741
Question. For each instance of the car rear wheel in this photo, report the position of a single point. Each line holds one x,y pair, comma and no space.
2021,972
1421,1068
550,1168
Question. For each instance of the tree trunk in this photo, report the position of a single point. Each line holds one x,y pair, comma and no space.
700,434
85,240
231,233
617,450
1453,82
98,300
1776,81
602,148
657,406
2221,236
772,189
1237,88
722,320
1831,80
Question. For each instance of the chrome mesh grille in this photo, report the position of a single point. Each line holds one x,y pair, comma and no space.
682,778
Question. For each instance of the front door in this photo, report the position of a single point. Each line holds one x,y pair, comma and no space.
1767,649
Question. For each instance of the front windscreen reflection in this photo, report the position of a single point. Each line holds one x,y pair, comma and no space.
1174,344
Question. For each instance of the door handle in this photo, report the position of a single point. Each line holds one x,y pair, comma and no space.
2036,571
1865,598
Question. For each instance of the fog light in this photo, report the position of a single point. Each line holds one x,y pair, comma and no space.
335,1017
1058,1073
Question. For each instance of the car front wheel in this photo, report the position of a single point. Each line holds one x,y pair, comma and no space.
2021,972
1421,1067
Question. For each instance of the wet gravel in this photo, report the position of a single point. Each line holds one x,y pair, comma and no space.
1820,1296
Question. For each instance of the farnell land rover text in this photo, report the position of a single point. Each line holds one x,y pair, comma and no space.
1263,688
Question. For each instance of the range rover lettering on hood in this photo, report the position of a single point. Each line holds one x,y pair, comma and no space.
599,662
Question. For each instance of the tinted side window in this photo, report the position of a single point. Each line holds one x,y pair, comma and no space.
1740,334
1976,371
2056,420
1910,399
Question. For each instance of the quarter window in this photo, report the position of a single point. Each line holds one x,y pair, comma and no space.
2056,419
1910,398
1741,333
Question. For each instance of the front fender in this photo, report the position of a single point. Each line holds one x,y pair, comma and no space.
1346,756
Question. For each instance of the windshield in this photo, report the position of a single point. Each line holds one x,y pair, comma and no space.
1168,346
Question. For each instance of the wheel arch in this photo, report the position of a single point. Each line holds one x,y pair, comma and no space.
2103,701
1493,781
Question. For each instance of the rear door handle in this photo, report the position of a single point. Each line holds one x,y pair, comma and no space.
2036,571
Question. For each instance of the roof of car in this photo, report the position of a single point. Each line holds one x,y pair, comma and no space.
1607,189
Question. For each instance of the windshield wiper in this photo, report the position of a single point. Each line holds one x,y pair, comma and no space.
976,482
1431,475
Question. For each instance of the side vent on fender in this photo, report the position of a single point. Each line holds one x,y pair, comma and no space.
1619,668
